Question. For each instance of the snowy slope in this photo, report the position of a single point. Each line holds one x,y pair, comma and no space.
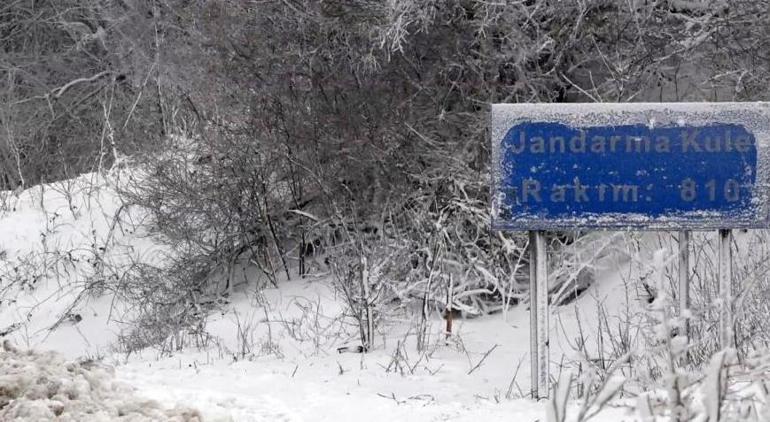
48,243
268,355
298,383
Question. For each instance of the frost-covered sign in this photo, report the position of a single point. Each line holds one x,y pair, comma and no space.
650,166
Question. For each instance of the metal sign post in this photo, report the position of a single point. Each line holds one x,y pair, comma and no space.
684,279
726,337
645,166
539,314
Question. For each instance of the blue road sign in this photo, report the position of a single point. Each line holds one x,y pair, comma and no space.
643,166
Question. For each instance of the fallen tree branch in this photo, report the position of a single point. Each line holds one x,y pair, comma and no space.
58,92
483,358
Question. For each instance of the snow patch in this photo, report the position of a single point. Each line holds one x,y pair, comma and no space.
43,386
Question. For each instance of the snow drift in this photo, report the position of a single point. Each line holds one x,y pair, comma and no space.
43,387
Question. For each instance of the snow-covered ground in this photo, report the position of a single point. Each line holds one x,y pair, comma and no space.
295,382
43,386
270,355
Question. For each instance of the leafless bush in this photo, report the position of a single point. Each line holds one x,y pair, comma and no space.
750,269
74,86
670,374
314,325
374,114
363,277
596,392
164,304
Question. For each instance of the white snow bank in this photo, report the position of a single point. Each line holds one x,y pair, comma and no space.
60,244
44,387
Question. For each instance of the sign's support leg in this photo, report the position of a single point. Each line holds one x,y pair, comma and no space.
533,313
538,314
684,279
726,338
